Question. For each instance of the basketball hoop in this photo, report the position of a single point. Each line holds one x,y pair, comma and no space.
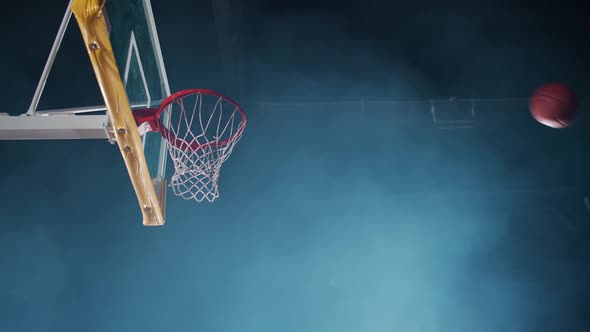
201,128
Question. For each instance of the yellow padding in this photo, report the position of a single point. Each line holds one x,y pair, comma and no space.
88,13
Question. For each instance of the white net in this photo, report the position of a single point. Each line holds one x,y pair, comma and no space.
202,130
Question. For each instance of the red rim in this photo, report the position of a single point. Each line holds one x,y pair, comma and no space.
181,144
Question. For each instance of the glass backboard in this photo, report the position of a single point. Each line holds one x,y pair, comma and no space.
133,35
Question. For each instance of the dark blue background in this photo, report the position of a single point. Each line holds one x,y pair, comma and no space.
330,219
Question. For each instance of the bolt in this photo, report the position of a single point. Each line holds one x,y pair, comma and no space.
94,46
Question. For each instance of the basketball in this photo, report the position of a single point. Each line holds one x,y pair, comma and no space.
553,105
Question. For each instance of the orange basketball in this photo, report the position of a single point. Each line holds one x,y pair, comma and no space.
553,105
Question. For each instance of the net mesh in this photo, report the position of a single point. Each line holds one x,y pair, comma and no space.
202,130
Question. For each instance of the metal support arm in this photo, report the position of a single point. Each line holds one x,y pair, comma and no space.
62,126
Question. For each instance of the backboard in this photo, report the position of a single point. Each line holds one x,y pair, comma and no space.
122,43
134,38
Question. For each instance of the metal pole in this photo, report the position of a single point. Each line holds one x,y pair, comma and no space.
50,60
